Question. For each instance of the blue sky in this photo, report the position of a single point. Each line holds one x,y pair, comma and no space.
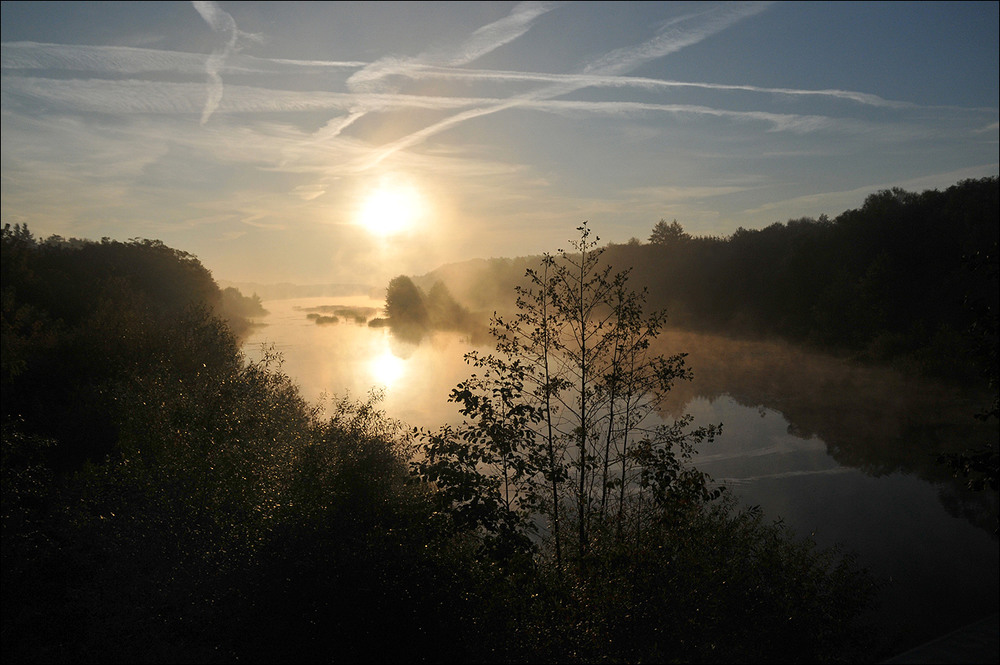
257,135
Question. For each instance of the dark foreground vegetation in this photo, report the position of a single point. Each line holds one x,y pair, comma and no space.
164,500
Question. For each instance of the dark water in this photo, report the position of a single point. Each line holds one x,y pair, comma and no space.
843,453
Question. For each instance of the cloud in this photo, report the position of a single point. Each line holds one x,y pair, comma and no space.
222,24
137,96
105,60
682,32
677,34
140,96
109,60
585,80
483,41
798,124
494,35
300,134
667,194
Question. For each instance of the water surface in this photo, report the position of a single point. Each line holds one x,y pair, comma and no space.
843,453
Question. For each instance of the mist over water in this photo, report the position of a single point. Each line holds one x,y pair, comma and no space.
838,451
353,358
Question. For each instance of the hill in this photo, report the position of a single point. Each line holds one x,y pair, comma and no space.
906,279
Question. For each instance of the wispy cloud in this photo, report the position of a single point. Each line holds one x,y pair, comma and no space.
106,60
682,32
118,60
483,41
144,96
679,33
587,80
139,96
367,95
126,60
223,25
290,141
668,194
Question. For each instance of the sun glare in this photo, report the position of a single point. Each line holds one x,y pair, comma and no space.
387,369
391,208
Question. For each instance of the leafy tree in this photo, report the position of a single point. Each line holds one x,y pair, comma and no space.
404,303
559,473
666,234
980,466
236,308
557,424
412,313
218,517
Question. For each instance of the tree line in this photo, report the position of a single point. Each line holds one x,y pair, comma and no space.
166,500
907,279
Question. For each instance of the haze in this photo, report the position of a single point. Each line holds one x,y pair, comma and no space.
255,135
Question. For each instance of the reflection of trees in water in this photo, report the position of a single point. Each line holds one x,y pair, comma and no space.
873,419
979,508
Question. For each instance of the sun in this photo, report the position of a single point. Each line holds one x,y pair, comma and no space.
392,207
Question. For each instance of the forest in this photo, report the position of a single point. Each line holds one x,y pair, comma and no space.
908,279
167,500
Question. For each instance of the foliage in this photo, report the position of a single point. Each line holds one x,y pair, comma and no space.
404,303
719,585
165,500
236,308
980,465
665,234
557,422
555,427
413,313
886,282
80,319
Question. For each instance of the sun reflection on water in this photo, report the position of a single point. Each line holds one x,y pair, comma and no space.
386,369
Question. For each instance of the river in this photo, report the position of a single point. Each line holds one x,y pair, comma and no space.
843,453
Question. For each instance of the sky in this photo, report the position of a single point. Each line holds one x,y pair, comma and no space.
350,142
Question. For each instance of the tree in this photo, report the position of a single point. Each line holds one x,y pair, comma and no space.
404,302
406,308
666,234
558,422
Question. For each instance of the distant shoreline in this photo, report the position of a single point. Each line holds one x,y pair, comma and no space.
288,290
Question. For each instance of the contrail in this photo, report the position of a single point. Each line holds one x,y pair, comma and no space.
675,36
670,40
604,81
483,41
130,96
494,35
224,24
131,60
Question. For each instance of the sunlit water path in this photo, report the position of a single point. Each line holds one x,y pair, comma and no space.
833,451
